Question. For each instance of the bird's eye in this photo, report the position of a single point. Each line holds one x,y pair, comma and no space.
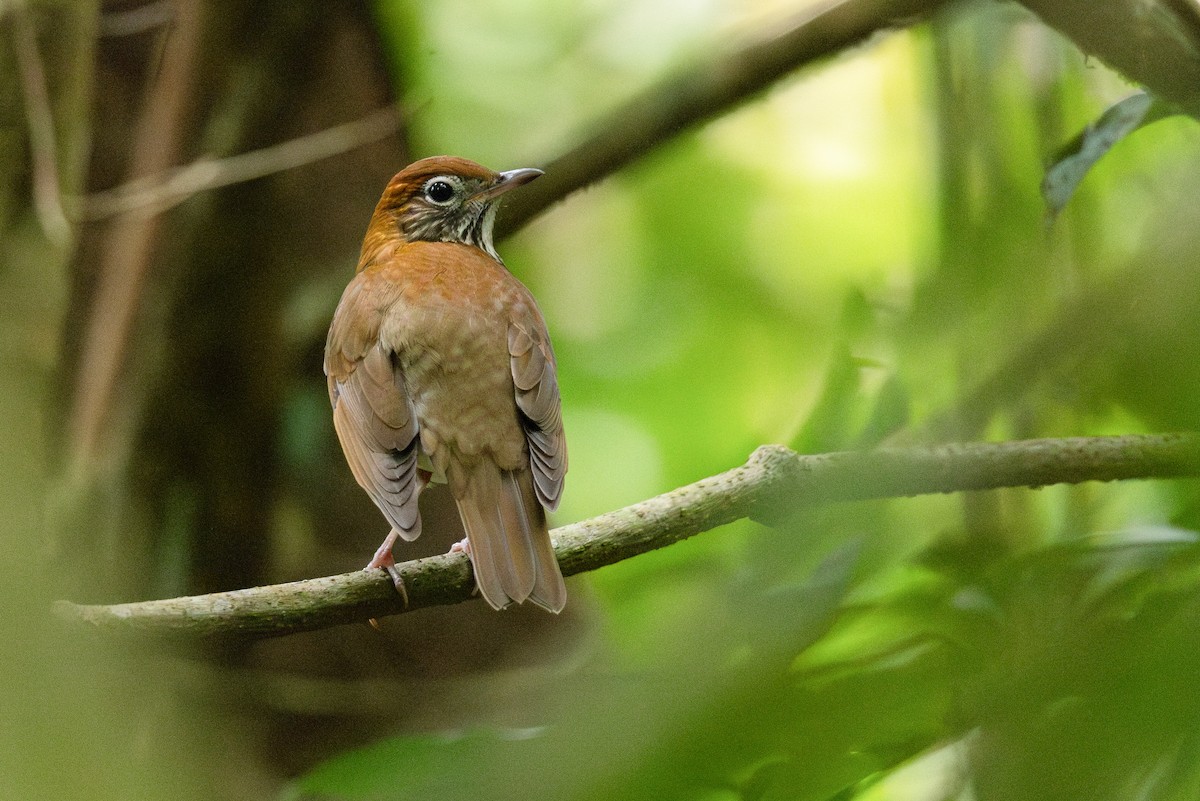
439,191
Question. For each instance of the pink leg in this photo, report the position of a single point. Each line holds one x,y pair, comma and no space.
383,558
383,555
464,546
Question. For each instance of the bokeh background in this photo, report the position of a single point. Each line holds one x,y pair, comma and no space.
857,254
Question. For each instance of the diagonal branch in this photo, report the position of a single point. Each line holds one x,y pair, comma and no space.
773,484
154,194
676,104
706,90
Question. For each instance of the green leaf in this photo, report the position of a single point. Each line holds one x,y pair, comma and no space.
829,424
429,766
890,413
1072,163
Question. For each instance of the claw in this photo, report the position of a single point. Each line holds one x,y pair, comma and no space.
384,560
397,581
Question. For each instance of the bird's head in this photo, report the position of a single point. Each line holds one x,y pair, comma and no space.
449,199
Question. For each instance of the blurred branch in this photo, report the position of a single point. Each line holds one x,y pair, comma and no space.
1043,353
1153,42
704,91
129,246
139,19
154,194
47,195
772,485
1070,344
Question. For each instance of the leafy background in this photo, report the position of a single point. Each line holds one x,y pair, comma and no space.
860,254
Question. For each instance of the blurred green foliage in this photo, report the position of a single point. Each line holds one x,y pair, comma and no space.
860,255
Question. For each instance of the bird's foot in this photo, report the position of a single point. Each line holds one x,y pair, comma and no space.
464,546
383,554
383,559
397,582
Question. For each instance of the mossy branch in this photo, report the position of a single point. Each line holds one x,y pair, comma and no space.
772,485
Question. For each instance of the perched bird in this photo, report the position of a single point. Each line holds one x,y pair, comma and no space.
440,368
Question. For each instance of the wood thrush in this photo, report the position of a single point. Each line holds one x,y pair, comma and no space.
440,368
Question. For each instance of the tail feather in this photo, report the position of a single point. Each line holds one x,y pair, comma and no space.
510,544
485,558
549,591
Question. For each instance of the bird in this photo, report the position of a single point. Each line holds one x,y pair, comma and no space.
440,369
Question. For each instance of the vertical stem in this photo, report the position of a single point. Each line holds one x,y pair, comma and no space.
129,248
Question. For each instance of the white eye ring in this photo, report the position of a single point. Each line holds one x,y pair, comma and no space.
442,190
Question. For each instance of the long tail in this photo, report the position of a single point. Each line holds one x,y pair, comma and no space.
510,544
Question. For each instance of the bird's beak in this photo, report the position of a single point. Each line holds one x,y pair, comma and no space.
508,180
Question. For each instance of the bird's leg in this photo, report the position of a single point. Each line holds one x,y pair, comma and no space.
383,555
464,546
384,558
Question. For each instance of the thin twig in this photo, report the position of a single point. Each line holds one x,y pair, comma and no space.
706,90
157,193
772,485
43,144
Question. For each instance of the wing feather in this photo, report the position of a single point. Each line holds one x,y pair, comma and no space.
536,383
372,413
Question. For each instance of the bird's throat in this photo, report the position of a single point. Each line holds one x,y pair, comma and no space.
485,233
